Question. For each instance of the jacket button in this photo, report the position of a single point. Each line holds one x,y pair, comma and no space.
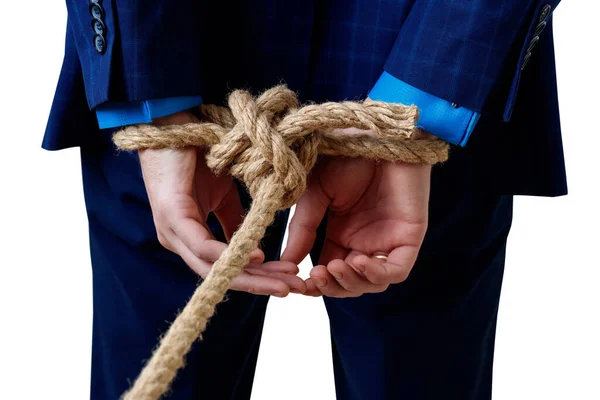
545,12
98,27
539,28
96,10
525,61
99,44
532,44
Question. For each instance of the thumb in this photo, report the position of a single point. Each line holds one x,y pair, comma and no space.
309,213
230,212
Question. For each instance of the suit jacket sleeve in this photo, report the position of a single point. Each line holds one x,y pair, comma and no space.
463,50
132,50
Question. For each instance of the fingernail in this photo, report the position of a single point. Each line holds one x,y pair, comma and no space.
337,275
321,282
255,260
279,294
359,267
292,290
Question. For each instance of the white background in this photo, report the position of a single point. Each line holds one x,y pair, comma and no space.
548,343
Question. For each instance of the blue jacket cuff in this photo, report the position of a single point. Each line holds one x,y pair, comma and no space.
437,116
114,114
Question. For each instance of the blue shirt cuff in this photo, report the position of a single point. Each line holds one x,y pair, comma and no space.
114,114
437,116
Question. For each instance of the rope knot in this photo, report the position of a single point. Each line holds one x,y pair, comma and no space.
255,149
270,144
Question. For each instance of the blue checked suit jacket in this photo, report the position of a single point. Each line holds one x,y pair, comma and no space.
495,57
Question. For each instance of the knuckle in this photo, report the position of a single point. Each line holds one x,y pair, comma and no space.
421,229
414,231
252,290
164,242
380,288
196,250
352,287
378,279
401,275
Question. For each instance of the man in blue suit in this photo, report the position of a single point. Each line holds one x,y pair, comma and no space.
482,74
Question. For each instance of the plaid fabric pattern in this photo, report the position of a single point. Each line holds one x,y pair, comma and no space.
467,52
457,49
330,49
325,49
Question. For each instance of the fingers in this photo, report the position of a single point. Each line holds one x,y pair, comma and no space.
309,213
263,285
284,267
339,280
295,283
194,243
260,281
197,238
394,270
272,278
169,177
332,251
350,280
312,289
329,252
402,258
327,285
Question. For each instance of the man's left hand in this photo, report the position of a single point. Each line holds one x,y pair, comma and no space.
375,209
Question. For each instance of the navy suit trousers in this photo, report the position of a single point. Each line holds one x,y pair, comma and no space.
431,337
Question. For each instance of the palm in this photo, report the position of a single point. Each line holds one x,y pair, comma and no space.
219,186
221,198
372,207
183,191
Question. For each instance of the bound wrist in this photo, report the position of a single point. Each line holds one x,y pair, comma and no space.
179,118
420,134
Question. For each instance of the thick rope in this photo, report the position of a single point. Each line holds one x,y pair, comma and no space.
270,144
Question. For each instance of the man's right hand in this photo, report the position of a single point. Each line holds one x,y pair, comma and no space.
182,192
